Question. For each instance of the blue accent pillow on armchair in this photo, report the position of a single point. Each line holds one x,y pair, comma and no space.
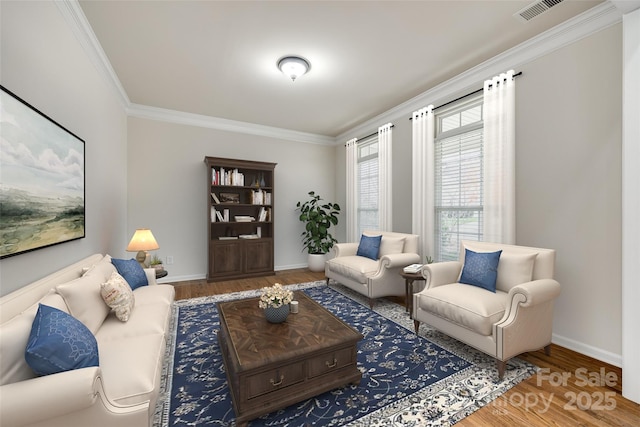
480,269
59,342
369,246
132,272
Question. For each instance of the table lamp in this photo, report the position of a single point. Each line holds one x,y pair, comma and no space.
142,241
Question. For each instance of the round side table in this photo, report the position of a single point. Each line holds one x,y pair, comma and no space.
409,278
161,273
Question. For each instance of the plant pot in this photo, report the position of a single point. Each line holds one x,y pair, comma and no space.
277,315
316,262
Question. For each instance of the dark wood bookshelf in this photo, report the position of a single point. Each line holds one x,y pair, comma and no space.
240,200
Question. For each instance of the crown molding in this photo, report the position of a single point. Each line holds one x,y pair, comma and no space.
589,22
77,21
583,25
626,6
199,120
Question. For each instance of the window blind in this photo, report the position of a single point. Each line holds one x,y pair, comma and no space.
458,179
368,184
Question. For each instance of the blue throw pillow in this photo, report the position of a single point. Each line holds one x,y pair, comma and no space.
132,272
59,342
369,246
480,269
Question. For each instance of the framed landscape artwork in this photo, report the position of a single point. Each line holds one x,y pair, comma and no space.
42,180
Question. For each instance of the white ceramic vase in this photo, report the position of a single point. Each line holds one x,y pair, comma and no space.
316,262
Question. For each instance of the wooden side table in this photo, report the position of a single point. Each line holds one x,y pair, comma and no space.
409,278
161,273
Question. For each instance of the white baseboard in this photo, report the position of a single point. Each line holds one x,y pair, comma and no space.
290,267
588,350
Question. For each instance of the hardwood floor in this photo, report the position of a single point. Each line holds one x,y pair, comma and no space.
570,390
201,288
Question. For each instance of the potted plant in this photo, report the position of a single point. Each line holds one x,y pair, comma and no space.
275,302
318,217
156,263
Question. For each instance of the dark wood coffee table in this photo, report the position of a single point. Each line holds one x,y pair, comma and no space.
271,366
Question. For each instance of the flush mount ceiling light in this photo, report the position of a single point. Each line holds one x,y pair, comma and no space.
293,66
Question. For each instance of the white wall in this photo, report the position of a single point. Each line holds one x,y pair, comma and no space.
569,124
43,63
568,177
168,191
402,176
631,208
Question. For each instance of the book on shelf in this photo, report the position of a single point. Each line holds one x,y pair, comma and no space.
244,218
219,216
248,236
215,198
256,197
237,178
413,268
264,215
228,238
260,197
227,177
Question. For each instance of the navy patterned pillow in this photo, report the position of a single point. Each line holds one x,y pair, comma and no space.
59,342
132,272
480,269
369,246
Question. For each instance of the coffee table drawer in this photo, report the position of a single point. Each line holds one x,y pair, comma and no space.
331,361
269,381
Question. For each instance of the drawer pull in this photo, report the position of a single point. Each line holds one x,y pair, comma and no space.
331,365
277,383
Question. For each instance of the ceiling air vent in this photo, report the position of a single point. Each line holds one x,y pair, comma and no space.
535,9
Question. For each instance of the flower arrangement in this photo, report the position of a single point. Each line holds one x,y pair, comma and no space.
275,296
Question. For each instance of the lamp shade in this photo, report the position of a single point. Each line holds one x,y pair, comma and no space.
142,240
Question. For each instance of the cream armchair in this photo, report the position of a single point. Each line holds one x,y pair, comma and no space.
374,278
515,319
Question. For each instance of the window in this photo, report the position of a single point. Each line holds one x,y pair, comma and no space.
368,182
458,157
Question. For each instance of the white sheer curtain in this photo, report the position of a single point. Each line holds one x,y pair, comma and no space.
351,211
385,202
423,214
499,159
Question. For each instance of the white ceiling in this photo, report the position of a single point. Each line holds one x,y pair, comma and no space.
218,58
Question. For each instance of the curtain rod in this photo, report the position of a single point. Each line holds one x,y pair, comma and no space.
368,136
464,96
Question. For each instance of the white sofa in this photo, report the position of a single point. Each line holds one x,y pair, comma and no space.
123,390
374,278
516,318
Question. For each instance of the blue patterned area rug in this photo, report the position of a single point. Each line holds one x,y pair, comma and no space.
407,379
